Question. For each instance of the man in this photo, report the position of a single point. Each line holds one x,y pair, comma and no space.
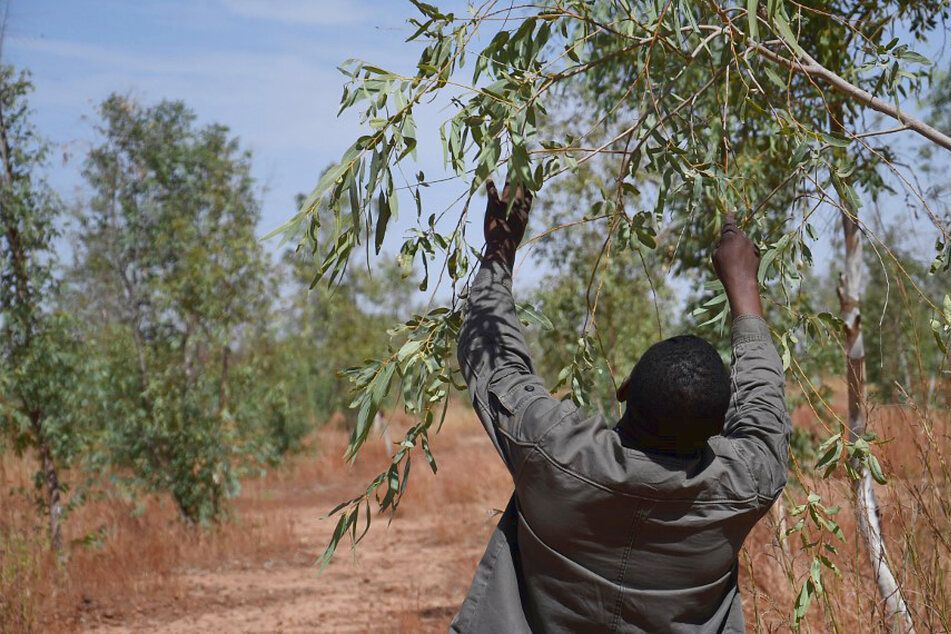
634,528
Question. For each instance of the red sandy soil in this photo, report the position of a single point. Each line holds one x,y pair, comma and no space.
408,576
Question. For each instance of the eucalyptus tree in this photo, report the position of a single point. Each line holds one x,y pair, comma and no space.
905,361
760,107
40,356
323,330
174,278
633,305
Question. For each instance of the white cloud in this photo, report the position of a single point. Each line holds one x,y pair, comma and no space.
278,99
284,98
278,88
313,12
97,55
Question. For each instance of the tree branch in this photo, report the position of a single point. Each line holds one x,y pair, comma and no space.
812,68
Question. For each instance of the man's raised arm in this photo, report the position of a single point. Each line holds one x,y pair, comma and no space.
757,419
493,354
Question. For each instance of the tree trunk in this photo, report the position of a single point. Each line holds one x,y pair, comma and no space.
189,352
53,489
135,316
185,513
223,384
26,301
850,284
903,361
382,428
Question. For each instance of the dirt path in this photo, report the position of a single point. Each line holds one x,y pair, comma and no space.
409,576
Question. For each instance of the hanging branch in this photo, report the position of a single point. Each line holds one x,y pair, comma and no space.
814,69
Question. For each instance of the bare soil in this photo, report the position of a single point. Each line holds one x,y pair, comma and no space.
408,575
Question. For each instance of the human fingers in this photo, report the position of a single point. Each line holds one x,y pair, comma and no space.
729,223
491,190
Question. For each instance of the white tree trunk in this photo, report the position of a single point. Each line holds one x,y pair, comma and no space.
866,507
53,487
382,427
778,511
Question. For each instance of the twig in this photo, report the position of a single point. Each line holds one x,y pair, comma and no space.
812,68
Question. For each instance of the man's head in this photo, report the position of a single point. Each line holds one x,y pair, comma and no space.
678,393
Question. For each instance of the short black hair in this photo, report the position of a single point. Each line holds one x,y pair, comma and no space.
680,391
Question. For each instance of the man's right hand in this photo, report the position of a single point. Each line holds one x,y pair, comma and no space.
504,227
736,262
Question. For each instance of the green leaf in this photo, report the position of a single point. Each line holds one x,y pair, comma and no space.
774,77
769,257
875,469
915,58
860,447
343,524
384,211
803,600
937,329
815,573
830,459
834,140
828,563
781,25
365,416
828,442
408,349
427,451
751,19
354,197
796,527
529,315
850,199
381,384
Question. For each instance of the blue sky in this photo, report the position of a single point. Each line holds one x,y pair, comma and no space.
265,68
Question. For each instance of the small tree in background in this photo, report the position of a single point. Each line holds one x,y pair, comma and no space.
40,354
171,273
903,359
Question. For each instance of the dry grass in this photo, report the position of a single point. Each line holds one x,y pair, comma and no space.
120,553
142,567
915,513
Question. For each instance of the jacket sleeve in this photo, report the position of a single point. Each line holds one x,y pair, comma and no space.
757,421
510,400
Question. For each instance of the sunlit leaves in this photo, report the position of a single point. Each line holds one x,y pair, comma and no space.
831,450
941,325
577,376
419,371
815,523
858,454
716,308
639,233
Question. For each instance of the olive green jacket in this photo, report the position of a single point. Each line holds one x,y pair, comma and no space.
601,536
